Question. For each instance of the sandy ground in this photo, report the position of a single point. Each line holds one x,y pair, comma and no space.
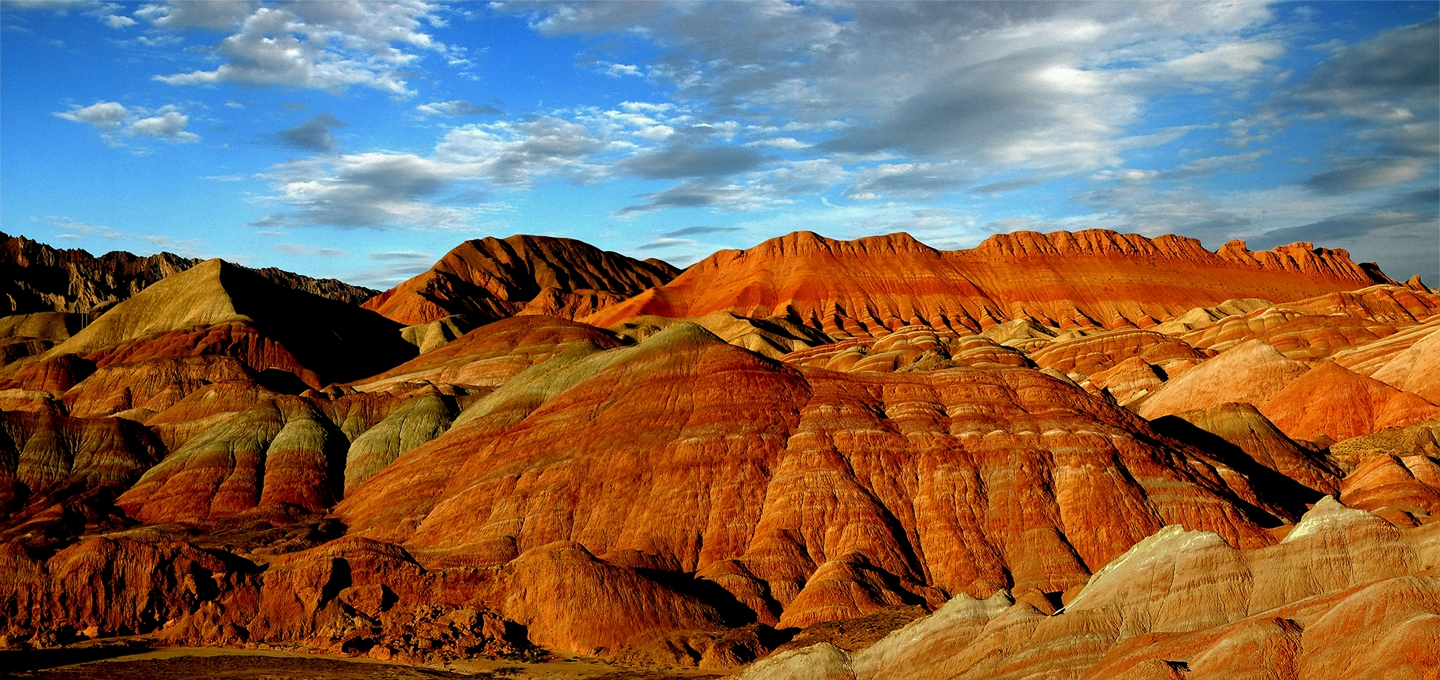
134,660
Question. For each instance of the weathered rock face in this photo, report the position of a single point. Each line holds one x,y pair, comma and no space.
909,348
38,278
1252,372
870,286
1338,598
44,451
1415,369
1334,402
488,279
280,453
810,496
1102,351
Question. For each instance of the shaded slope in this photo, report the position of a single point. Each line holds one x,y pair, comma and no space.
218,308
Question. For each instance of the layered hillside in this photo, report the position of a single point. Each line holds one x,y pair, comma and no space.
488,279
38,278
225,461
1346,594
1088,279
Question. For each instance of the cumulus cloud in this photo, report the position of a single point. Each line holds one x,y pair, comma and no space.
1041,85
697,194
114,119
215,15
458,107
909,180
1225,63
103,115
515,154
442,190
312,135
322,45
168,125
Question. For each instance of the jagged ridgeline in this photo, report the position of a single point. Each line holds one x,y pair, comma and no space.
1064,455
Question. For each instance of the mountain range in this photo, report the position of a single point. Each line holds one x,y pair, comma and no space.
1081,455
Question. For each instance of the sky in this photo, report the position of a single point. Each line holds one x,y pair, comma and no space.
363,140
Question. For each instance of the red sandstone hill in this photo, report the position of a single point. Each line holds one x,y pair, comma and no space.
665,492
1092,278
488,279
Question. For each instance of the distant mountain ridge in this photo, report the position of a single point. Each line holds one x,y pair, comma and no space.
1087,279
35,277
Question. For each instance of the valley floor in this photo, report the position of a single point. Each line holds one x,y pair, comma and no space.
135,659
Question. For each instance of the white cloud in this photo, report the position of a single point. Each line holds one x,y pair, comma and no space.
118,21
303,250
185,247
395,267
169,125
457,107
103,115
215,15
105,12
71,229
1051,87
1228,62
114,119
323,45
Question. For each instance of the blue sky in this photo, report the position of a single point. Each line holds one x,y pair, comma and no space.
362,140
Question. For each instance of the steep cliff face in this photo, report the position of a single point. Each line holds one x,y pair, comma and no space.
488,279
35,277
1092,278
